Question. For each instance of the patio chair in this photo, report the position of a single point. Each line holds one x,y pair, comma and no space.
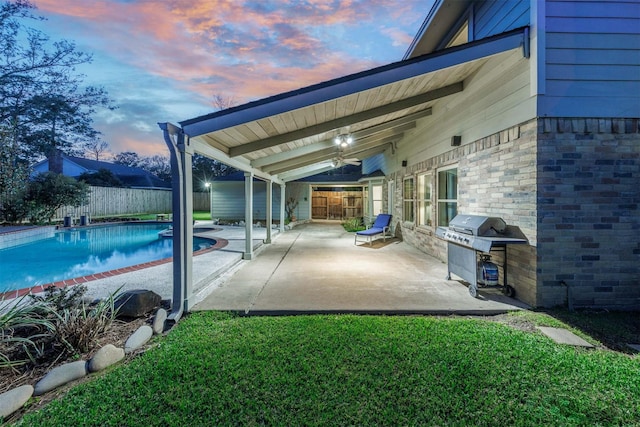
380,226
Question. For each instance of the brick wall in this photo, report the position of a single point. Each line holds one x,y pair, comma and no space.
573,188
588,218
496,177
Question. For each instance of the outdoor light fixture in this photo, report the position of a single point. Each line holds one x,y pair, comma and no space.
343,140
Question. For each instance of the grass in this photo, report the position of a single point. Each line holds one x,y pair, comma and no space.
218,369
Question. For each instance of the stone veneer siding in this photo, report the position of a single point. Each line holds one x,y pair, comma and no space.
588,218
573,188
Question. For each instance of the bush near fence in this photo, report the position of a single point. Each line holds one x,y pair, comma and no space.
113,201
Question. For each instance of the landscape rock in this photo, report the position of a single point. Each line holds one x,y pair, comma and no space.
60,376
138,338
158,321
105,357
12,400
137,303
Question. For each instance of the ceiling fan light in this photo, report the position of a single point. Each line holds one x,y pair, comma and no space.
343,140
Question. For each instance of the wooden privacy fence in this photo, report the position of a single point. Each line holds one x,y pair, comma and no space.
112,201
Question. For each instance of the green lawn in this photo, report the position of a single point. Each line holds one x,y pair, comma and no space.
218,369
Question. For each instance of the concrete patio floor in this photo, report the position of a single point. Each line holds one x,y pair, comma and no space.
316,268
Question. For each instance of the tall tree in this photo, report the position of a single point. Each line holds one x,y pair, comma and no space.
14,178
41,93
96,149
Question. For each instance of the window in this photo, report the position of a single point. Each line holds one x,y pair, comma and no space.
447,195
408,199
425,209
365,200
376,198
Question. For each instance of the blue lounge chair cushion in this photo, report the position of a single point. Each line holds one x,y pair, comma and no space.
380,226
370,232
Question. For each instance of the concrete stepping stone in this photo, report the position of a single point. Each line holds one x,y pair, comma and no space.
60,376
138,338
12,400
564,336
105,357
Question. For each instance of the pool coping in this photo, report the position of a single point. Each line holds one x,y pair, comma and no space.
17,293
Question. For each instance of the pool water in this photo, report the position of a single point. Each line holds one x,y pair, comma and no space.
84,251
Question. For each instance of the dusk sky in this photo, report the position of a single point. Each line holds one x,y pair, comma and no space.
165,60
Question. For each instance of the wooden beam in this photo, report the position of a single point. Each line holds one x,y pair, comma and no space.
305,172
346,121
402,124
328,153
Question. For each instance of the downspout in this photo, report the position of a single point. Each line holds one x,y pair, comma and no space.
180,155
269,191
282,206
248,216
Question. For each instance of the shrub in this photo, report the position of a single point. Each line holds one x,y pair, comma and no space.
353,224
50,191
22,329
76,325
52,326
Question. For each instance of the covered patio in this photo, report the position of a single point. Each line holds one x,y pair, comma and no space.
316,268
293,135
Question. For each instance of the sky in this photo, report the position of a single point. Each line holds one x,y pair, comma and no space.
166,60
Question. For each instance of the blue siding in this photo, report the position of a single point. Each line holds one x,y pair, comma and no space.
373,164
592,59
494,17
228,200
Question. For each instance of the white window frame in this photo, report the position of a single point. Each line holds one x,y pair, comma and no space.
411,200
440,201
424,200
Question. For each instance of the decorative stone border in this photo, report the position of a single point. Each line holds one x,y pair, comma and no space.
14,399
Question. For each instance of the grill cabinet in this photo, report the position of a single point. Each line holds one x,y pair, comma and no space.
468,235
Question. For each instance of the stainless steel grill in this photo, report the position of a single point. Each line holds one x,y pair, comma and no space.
468,235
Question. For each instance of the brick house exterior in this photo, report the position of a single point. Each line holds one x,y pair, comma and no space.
528,110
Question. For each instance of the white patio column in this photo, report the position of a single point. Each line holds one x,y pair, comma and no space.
248,215
282,201
269,190
181,154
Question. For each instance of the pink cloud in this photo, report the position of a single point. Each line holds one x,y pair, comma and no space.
241,49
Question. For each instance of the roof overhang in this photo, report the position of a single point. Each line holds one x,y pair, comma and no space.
290,136
441,19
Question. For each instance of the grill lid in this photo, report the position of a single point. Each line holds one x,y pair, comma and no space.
477,225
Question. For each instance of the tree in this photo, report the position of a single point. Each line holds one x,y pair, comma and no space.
128,158
102,178
205,169
222,102
96,149
41,93
50,191
14,177
158,165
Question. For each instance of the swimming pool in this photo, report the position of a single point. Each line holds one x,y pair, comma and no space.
67,254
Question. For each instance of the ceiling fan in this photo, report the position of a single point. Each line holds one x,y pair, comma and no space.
343,141
339,160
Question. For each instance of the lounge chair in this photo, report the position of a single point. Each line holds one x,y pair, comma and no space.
380,226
